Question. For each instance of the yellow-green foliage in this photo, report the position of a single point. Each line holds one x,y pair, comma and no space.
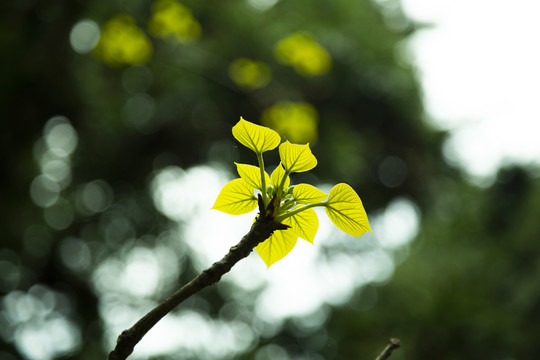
292,205
122,42
294,121
171,19
250,74
304,54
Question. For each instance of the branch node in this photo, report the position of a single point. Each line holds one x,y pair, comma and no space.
280,226
261,205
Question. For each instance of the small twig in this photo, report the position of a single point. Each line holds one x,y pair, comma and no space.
261,230
393,345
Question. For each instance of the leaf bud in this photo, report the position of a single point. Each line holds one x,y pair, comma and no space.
290,190
287,204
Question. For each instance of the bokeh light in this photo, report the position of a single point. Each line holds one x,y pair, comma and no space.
139,111
122,42
93,197
58,170
84,36
262,5
392,171
271,351
40,323
181,194
60,136
60,215
189,333
173,20
141,273
44,192
304,54
53,152
294,121
75,254
398,225
249,74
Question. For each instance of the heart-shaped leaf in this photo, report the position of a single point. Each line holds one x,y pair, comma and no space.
346,211
252,175
236,198
305,224
296,158
308,194
277,177
257,138
277,246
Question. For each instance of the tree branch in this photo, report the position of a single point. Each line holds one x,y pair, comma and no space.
393,345
261,230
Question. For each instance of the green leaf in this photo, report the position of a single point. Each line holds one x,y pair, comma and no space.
277,246
277,177
257,138
296,158
252,175
308,194
346,211
305,224
236,198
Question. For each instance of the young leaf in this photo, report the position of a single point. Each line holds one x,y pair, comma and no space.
296,158
236,198
305,224
308,194
279,244
257,138
251,175
277,177
346,211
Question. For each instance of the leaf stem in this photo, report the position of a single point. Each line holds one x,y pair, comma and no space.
280,188
282,217
263,179
283,180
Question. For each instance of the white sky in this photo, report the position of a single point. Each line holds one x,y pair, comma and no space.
479,68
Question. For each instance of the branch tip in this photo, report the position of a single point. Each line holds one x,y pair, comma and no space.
393,344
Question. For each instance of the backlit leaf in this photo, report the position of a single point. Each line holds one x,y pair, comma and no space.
236,198
296,158
252,175
279,244
257,138
305,224
308,194
277,177
346,211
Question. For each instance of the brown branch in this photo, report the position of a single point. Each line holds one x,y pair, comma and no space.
393,345
261,230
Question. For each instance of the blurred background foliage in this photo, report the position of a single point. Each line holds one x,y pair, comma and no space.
99,97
